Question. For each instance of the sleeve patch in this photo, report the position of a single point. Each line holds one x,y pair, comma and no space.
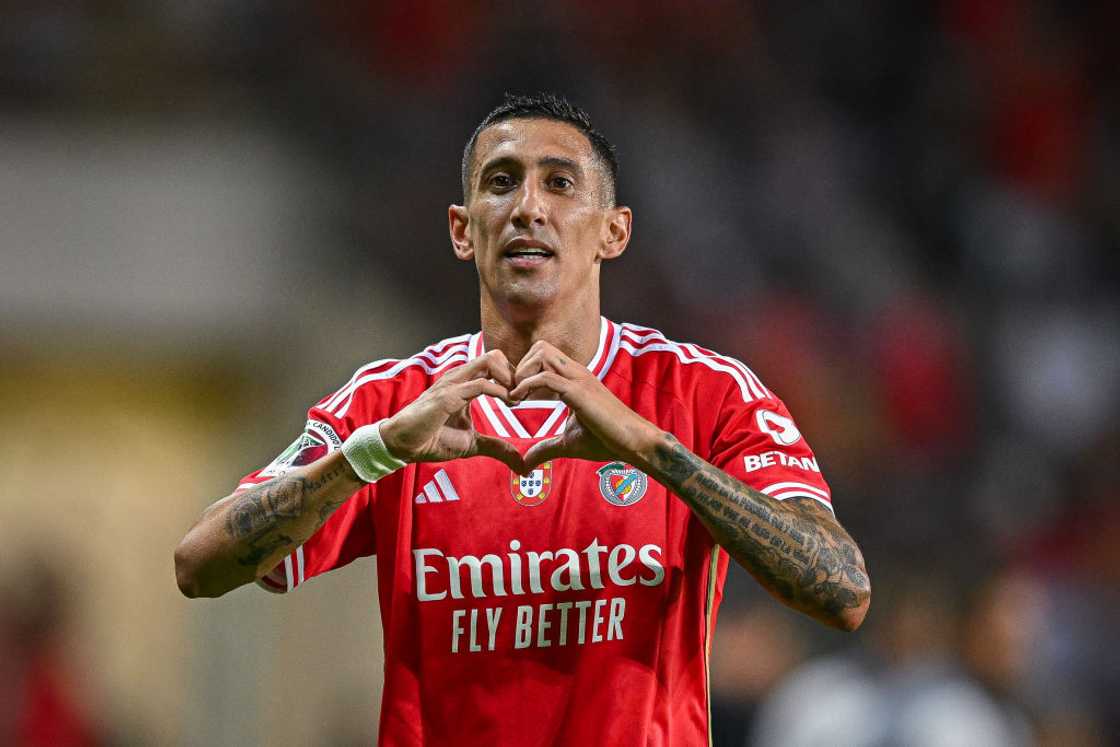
275,580
318,440
778,427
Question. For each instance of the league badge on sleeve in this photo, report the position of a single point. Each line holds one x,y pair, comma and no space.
531,489
621,484
318,440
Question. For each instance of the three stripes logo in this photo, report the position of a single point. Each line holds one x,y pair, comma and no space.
437,490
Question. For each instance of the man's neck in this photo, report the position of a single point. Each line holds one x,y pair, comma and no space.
575,332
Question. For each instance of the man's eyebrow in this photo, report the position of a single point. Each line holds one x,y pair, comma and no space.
561,163
496,162
554,161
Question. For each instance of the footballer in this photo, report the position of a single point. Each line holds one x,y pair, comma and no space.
553,499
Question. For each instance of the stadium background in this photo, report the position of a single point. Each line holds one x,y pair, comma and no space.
904,216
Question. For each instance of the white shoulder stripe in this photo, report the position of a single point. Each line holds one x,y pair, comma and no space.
436,347
641,335
369,367
341,405
635,351
341,391
744,389
756,383
638,340
434,352
435,359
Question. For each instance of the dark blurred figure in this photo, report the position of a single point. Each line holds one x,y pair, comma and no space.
756,644
38,703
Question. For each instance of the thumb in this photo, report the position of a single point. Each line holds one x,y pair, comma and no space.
503,451
544,451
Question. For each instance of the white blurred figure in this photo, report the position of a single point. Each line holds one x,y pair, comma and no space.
918,694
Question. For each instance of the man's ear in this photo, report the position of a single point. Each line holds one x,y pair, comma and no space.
616,233
457,223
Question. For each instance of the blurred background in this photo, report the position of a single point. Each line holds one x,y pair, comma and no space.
904,216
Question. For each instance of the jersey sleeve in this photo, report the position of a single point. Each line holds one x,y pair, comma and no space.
346,535
757,442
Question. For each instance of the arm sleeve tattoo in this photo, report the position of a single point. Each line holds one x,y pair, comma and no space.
264,518
794,548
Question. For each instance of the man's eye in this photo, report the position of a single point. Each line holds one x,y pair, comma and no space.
561,182
501,181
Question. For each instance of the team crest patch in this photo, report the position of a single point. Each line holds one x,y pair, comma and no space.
621,484
533,488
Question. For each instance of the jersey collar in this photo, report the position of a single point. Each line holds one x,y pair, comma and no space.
504,421
600,362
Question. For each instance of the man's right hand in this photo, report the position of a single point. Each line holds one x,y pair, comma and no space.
437,426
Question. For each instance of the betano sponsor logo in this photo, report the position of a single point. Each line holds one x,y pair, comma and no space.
755,462
780,428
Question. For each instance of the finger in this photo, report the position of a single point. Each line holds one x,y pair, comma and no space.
549,380
503,451
499,367
468,390
554,359
492,364
551,358
543,347
544,451
530,365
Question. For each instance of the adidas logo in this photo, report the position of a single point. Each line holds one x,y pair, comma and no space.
438,490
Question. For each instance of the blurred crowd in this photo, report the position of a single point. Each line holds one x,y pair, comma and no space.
904,216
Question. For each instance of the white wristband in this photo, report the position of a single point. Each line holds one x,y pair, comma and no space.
368,455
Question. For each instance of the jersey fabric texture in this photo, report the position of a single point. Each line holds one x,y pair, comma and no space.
573,606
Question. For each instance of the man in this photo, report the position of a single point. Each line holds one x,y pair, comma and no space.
564,590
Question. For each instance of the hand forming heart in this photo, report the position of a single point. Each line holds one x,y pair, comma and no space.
437,426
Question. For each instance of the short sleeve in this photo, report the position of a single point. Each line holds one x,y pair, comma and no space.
757,442
346,535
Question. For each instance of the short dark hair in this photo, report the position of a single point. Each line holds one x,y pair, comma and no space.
546,106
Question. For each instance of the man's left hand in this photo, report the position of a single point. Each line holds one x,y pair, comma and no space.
601,428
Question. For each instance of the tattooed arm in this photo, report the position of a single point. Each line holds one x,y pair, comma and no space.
794,548
243,536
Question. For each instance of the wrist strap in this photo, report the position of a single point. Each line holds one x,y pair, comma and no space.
368,455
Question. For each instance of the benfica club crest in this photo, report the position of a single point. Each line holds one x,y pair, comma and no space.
533,488
621,484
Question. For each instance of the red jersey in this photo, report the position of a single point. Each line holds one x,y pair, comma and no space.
573,606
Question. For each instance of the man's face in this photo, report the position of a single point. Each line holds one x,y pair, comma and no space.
538,222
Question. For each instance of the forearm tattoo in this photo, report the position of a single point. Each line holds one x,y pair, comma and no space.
265,518
795,548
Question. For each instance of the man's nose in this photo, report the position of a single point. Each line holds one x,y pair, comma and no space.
529,208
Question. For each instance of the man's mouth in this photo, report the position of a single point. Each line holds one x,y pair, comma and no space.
527,252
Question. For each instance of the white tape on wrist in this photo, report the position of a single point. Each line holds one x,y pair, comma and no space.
368,455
